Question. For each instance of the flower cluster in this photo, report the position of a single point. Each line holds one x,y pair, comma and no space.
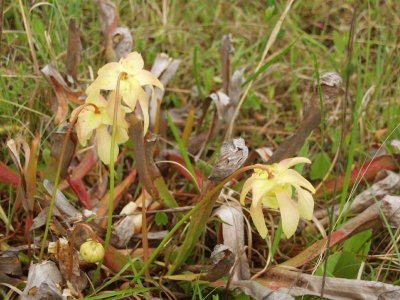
132,80
98,114
272,186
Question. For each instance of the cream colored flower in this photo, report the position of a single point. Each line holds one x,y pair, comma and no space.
273,188
98,118
132,80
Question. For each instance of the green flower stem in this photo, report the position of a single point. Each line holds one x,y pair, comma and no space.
170,234
57,180
112,178
112,162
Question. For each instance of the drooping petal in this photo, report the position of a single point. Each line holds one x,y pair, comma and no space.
103,139
121,135
111,67
132,63
122,110
289,213
144,105
270,201
130,94
88,121
260,187
145,77
292,177
246,188
257,216
107,80
96,98
305,203
290,162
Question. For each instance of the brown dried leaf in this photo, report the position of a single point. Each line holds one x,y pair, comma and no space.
233,236
108,16
41,218
226,50
57,141
62,204
122,42
63,92
232,156
164,68
223,259
390,206
61,251
10,263
389,183
146,167
331,86
299,284
258,291
27,184
74,51
43,282
128,226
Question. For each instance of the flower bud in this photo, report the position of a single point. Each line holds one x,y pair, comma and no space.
91,251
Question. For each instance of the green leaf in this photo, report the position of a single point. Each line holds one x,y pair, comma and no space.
242,297
320,166
341,265
359,243
208,79
161,219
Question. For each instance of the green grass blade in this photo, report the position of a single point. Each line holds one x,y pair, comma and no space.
268,64
182,148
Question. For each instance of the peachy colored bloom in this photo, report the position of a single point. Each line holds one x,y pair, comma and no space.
272,186
98,117
132,80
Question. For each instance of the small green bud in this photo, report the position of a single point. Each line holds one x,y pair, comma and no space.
91,251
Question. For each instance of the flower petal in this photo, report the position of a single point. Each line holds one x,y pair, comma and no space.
96,98
104,145
122,110
305,203
130,94
111,67
107,80
290,162
270,201
260,188
88,120
132,63
258,220
289,213
121,135
246,188
144,105
145,77
292,177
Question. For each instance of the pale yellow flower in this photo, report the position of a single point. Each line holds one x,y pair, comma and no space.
273,188
97,118
132,80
